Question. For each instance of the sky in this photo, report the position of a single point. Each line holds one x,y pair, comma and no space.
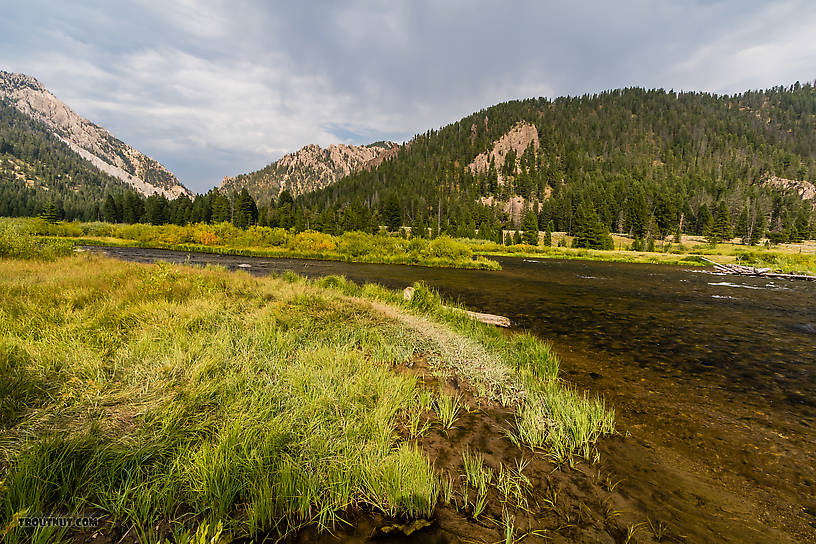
214,88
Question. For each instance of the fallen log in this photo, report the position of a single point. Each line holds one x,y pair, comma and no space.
740,270
489,319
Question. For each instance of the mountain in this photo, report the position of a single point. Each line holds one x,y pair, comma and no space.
308,169
36,167
643,161
88,140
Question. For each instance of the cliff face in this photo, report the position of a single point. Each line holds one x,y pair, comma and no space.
307,169
805,189
517,138
92,142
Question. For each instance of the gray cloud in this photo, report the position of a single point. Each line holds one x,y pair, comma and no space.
217,88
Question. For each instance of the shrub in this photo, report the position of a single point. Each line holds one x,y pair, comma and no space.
425,298
446,247
16,244
313,241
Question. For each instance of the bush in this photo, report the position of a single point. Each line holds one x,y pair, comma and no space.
355,244
313,241
446,247
425,299
16,244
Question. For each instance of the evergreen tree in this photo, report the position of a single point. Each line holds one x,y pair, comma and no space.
392,213
132,208
49,213
110,213
758,232
637,214
589,231
548,234
156,209
221,210
246,210
530,226
741,228
705,220
720,228
418,228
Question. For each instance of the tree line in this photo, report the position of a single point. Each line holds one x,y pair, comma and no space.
649,163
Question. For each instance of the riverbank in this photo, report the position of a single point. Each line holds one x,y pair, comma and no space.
225,239
710,377
785,258
441,252
170,400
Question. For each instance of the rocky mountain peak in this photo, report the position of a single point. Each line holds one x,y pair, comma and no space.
308,169
92,142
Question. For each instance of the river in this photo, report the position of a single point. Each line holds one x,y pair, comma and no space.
713,377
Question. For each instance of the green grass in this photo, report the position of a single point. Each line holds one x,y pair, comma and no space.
15,244
447,408
788,258
217,402
225,239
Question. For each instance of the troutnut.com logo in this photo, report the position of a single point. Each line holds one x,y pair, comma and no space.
58,521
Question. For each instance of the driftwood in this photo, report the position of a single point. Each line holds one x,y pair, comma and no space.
490,319
740,270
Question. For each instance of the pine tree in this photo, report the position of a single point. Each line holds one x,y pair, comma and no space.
49,213
720,228
548,234
132,208
741,229
589,231
758,231
246,210
109,211
637,214
530,226
705,220
392,213
220,209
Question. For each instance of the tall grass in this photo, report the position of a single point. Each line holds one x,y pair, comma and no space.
203,398
226,239
139,391
16,244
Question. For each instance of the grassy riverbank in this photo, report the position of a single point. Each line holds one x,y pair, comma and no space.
225,239
787,258
170,400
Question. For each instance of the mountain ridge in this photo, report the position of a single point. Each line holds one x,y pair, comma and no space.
91,141
307,169
646,162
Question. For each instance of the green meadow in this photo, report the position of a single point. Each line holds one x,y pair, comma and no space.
187,404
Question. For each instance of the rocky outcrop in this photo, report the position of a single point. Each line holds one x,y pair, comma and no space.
805,189
92,142
308,169
517,138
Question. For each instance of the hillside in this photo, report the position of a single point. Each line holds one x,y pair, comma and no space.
37,167
307,169
643,161
88,140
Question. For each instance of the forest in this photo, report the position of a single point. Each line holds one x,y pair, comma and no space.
648,163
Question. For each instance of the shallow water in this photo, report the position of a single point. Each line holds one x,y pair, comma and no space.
713,376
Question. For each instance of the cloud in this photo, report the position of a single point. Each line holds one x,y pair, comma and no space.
217,88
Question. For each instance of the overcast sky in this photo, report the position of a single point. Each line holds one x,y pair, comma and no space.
218,88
